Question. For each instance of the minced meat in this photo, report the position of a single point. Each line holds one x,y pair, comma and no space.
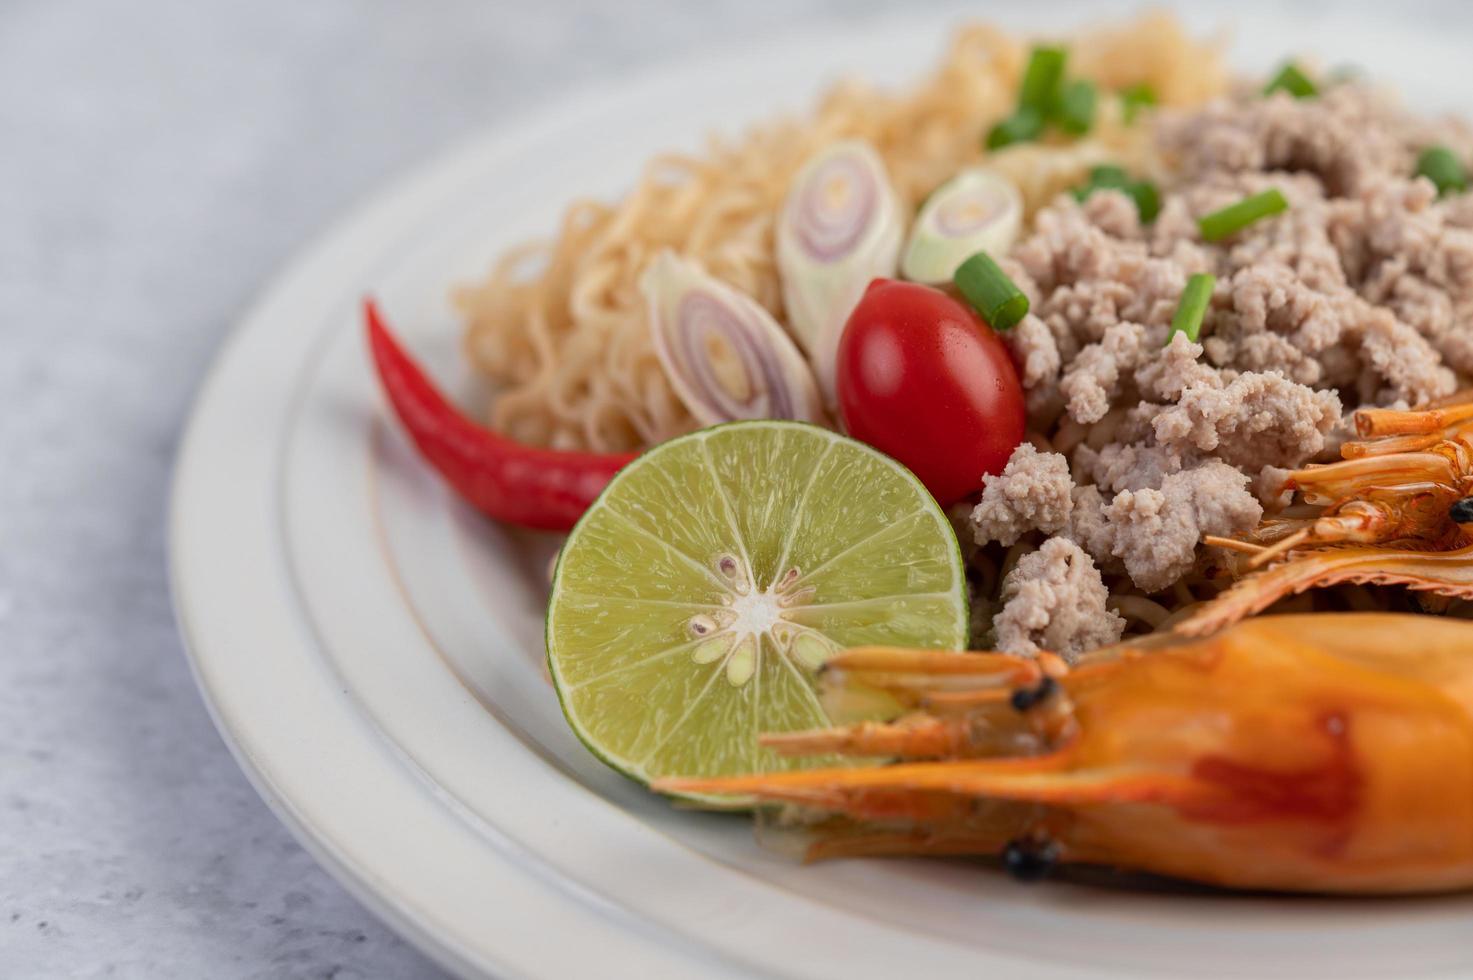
1030,494
1152,532
1174,368
1359,293
1256,420
1055,600
1130,465
1344,137
1092,381
1156,532
1036,350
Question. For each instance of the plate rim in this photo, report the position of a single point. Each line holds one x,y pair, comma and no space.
376,207
424,178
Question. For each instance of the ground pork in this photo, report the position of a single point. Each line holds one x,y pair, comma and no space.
1403,365
1113,212
1035,350
1090,528
1268,487
1359,293
1092,382
1134,286
1457,210
1152,532
1152,525
1155,533
1256,420
1030,494
1065,247
1055,600
1268,296
1347,135
1298,239
1408,252
1173,369
1130,465
1090,279
1282,302
1359,228
1260,351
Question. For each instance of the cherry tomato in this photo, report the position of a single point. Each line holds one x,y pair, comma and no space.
921,377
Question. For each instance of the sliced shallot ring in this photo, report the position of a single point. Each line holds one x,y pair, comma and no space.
978,210
840,228
725,356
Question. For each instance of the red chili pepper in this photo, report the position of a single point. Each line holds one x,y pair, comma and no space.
548,489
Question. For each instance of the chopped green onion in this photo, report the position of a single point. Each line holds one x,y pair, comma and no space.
1041,79
1147,200
1192,306
1235,217
990,291
1075,110
1439,165
1110,177
1290,79
1134,99
1024,125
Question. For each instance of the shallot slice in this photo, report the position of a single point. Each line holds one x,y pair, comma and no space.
725,356
840,228
978,210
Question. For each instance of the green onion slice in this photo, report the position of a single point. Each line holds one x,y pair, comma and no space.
1041,79
990,291
1192,307
1110,177
1135,98
1290,79
1441,166
1235,217
1075,110
1024,125
1147,199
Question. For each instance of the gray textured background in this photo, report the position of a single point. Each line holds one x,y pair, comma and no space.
158,161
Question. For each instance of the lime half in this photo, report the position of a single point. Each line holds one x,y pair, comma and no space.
695,601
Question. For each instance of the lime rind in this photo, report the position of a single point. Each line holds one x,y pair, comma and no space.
639,574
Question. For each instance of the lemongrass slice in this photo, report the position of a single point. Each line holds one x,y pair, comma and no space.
978,210
840,228
725,356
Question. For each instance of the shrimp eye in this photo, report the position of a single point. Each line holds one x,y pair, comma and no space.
1462,511
1029,858
1025,698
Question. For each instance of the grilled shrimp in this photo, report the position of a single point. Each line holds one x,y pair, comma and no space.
1328,752
1396,510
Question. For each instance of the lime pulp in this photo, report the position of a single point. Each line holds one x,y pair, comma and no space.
695,601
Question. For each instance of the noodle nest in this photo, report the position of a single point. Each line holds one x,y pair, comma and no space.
560,328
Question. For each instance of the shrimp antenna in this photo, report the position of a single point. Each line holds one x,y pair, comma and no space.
1278,548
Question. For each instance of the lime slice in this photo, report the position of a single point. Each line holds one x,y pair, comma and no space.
696,599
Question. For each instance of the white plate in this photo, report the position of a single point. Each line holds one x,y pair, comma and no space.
372,651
